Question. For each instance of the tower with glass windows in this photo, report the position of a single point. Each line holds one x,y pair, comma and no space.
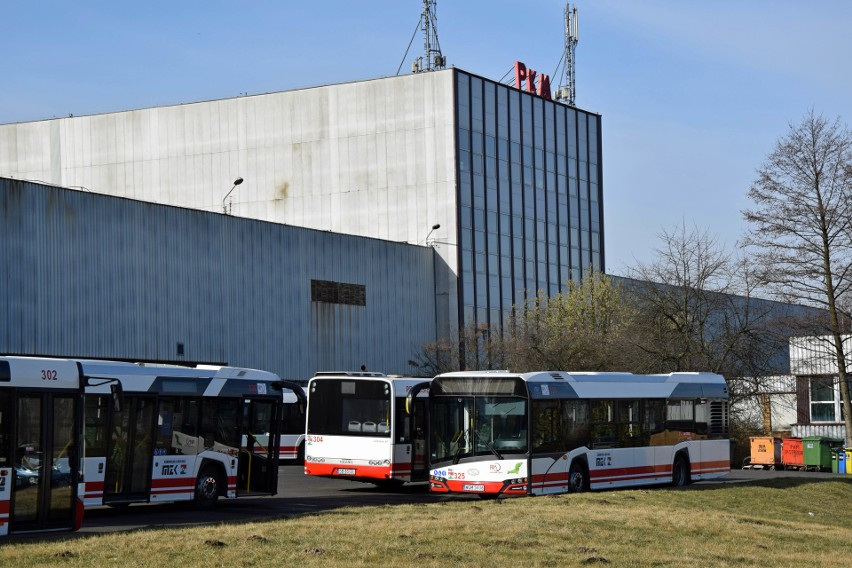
529,196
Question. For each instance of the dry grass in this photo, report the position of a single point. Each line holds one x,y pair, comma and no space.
779,523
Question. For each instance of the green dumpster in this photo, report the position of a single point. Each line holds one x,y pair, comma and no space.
817,451
835,459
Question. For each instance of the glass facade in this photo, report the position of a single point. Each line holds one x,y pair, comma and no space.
530,199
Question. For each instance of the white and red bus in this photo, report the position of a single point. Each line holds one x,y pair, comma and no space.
181,433
502,433
40,445
358,428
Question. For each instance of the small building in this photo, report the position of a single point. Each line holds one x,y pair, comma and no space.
818,393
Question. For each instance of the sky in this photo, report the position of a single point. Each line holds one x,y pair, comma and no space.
693,95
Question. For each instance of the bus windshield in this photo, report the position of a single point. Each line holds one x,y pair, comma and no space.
464,426
347,407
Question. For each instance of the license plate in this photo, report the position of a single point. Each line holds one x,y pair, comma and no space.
346,471
473,487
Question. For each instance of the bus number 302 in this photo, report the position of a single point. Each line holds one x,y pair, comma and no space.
48,375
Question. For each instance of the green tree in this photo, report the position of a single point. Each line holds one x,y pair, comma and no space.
584,328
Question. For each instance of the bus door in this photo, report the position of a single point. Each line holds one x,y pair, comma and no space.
130,451
418,435
45,460
258,466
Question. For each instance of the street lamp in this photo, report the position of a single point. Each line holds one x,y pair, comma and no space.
435,227
237,182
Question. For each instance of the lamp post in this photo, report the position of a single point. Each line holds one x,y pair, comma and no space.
237,182
435,227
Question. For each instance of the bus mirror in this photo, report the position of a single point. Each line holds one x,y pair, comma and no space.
117,396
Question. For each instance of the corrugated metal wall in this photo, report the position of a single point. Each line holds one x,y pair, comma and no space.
90,275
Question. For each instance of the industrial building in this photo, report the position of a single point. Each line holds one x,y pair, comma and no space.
89,275
504,184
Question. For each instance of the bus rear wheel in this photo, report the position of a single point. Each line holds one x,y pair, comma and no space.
207,488
578,477
680,471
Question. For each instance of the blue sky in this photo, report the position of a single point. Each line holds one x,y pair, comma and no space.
693,94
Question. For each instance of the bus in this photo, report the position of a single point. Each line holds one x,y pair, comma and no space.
501,433
293,410
180,434
366,426
40,445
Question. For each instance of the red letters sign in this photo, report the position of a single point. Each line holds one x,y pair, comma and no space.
522,74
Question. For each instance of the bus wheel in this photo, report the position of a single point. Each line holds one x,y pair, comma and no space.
578,477
680,471
206,488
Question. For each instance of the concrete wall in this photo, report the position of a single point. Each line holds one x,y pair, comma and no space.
373,158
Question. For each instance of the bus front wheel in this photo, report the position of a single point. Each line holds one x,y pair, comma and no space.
680,471
578,477
206,488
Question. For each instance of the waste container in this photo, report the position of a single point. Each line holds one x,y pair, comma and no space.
841,461
765,452
816,451
834,461
791,453
848,453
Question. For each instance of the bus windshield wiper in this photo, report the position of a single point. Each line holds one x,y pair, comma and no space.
459,439
488,445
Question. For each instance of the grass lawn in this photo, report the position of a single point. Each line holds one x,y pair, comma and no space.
782,522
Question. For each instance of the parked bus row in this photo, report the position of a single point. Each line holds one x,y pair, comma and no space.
85,433
501,433
79,433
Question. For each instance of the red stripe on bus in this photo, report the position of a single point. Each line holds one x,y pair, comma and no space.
172,482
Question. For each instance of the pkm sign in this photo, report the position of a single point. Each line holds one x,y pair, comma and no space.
525,81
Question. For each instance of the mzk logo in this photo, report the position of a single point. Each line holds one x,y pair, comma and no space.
174,469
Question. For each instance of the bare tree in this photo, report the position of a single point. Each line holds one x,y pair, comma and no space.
476,347
801,226
698,313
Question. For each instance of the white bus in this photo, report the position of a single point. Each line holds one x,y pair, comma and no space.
501,433
180,434
358,428
293,425
40,444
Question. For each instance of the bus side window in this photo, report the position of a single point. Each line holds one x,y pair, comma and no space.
220,425
575,423
654,422
95,436
629,424
403,419
603,424
165,417
546,435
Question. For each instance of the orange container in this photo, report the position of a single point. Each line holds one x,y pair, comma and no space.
766,451
792,452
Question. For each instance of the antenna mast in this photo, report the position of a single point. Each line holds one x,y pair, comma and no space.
568,90
432,47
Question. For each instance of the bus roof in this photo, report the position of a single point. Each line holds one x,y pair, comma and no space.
401,385
606,385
